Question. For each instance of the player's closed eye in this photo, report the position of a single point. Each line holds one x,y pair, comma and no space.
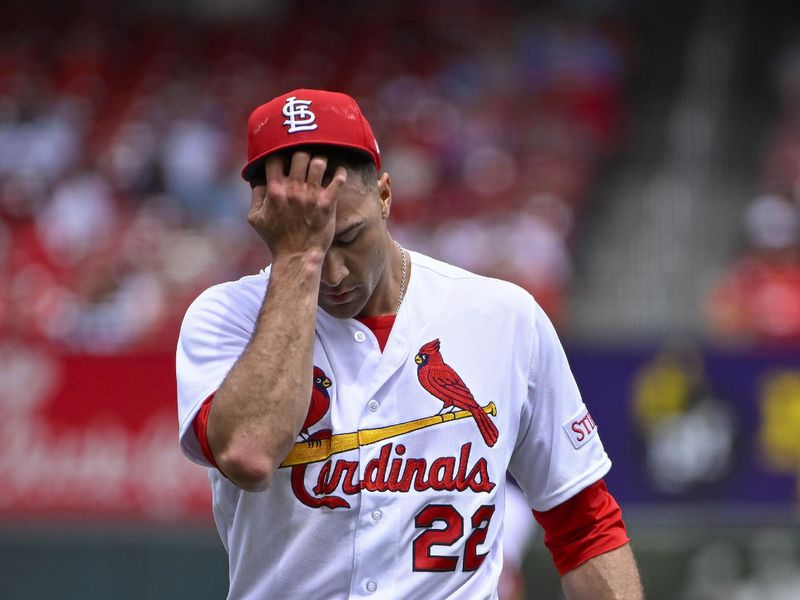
349,234
346,240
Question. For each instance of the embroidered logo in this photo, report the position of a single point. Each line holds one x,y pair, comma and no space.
441,381
298,115
319,405
391,471
580,429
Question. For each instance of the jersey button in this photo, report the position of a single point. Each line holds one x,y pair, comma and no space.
373,405
359,336
371,586
377,515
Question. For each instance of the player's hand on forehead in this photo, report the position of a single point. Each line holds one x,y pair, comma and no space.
295,212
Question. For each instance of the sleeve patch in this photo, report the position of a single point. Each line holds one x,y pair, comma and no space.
580,429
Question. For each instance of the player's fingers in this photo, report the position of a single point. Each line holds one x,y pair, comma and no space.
273,169
316,170
257,196
338,181
298,168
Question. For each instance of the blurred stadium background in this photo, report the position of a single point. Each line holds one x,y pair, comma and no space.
635,165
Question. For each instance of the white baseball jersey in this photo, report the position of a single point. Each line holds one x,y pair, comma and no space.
397,490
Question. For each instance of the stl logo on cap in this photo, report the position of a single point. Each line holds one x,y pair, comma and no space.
298,115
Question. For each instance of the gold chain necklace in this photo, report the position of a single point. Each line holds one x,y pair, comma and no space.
403,275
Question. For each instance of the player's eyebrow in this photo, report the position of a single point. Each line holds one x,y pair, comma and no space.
348,229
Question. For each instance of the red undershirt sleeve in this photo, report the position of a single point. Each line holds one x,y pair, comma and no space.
588,524
199,425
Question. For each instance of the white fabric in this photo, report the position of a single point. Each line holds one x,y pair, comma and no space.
505,350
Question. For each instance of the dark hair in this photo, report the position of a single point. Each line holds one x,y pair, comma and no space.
338,156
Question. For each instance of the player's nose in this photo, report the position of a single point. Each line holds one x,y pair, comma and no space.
333,269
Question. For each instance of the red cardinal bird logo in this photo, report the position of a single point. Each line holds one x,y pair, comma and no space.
319,405
439,379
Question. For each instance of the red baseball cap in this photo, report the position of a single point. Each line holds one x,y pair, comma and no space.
303,117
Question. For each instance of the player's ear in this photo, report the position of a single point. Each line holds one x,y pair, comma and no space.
385,194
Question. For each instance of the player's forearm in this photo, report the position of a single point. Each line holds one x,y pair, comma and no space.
609,576
260,407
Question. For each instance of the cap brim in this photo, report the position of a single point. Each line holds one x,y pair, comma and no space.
255,168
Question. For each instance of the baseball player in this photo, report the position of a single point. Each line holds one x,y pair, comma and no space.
358,404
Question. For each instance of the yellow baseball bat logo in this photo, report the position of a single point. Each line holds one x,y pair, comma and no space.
303,453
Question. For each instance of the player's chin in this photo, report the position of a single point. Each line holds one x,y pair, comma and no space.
341,308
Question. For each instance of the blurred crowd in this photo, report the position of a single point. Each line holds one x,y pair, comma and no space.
758,299
121,142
